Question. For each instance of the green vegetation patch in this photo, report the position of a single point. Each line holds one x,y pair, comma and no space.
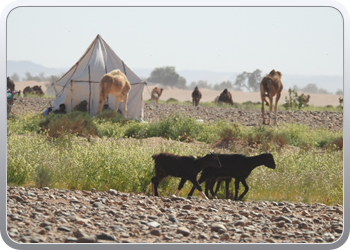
75,151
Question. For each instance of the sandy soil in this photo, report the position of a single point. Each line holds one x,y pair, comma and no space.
240,97
207,94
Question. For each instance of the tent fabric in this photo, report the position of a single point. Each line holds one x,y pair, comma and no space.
81,82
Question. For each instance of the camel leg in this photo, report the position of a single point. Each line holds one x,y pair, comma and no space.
277,99
117,100
101,102
125,102
270,109
100,105
262,109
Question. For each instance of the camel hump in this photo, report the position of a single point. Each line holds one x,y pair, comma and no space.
272,72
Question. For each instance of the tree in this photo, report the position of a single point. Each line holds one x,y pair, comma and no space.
200,84
167,76
250,81
254,80
223,85
312,89
15,77
339,92
41,77
28,77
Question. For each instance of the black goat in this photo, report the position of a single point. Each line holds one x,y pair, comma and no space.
185,167
237,166
209,185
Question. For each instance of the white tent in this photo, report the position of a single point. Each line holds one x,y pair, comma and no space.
81,82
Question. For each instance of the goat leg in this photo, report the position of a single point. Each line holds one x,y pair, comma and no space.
227,183
207,184
198,186
203,195
245,190
236,189
191,192
181,184
155,188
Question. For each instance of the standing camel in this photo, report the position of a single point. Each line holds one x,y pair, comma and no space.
155,94
270,86
114,83
196,96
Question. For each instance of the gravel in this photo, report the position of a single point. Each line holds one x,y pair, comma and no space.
155,112
46,215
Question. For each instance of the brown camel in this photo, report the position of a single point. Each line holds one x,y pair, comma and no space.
216,100
35,90
270,86
114,83
155,94
225,97
305,99
196,96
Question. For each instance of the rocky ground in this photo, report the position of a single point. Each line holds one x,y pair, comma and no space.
78,216
65,216
153,112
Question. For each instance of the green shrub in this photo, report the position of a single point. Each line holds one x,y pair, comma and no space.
71,162
112,116
43,177
172,100
77,122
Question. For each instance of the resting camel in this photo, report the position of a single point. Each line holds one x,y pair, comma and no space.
114,83
216,100
304,98
225,97
35,90
155,94
270,86
196,96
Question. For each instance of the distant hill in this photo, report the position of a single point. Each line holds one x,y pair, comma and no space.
22,67
329,83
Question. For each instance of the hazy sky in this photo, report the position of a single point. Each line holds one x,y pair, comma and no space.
293,40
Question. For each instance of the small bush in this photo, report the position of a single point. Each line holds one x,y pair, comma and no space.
336,143
112,116
136,130
281,139
172,100
293,101
228,136
107,114
77,122
43,177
